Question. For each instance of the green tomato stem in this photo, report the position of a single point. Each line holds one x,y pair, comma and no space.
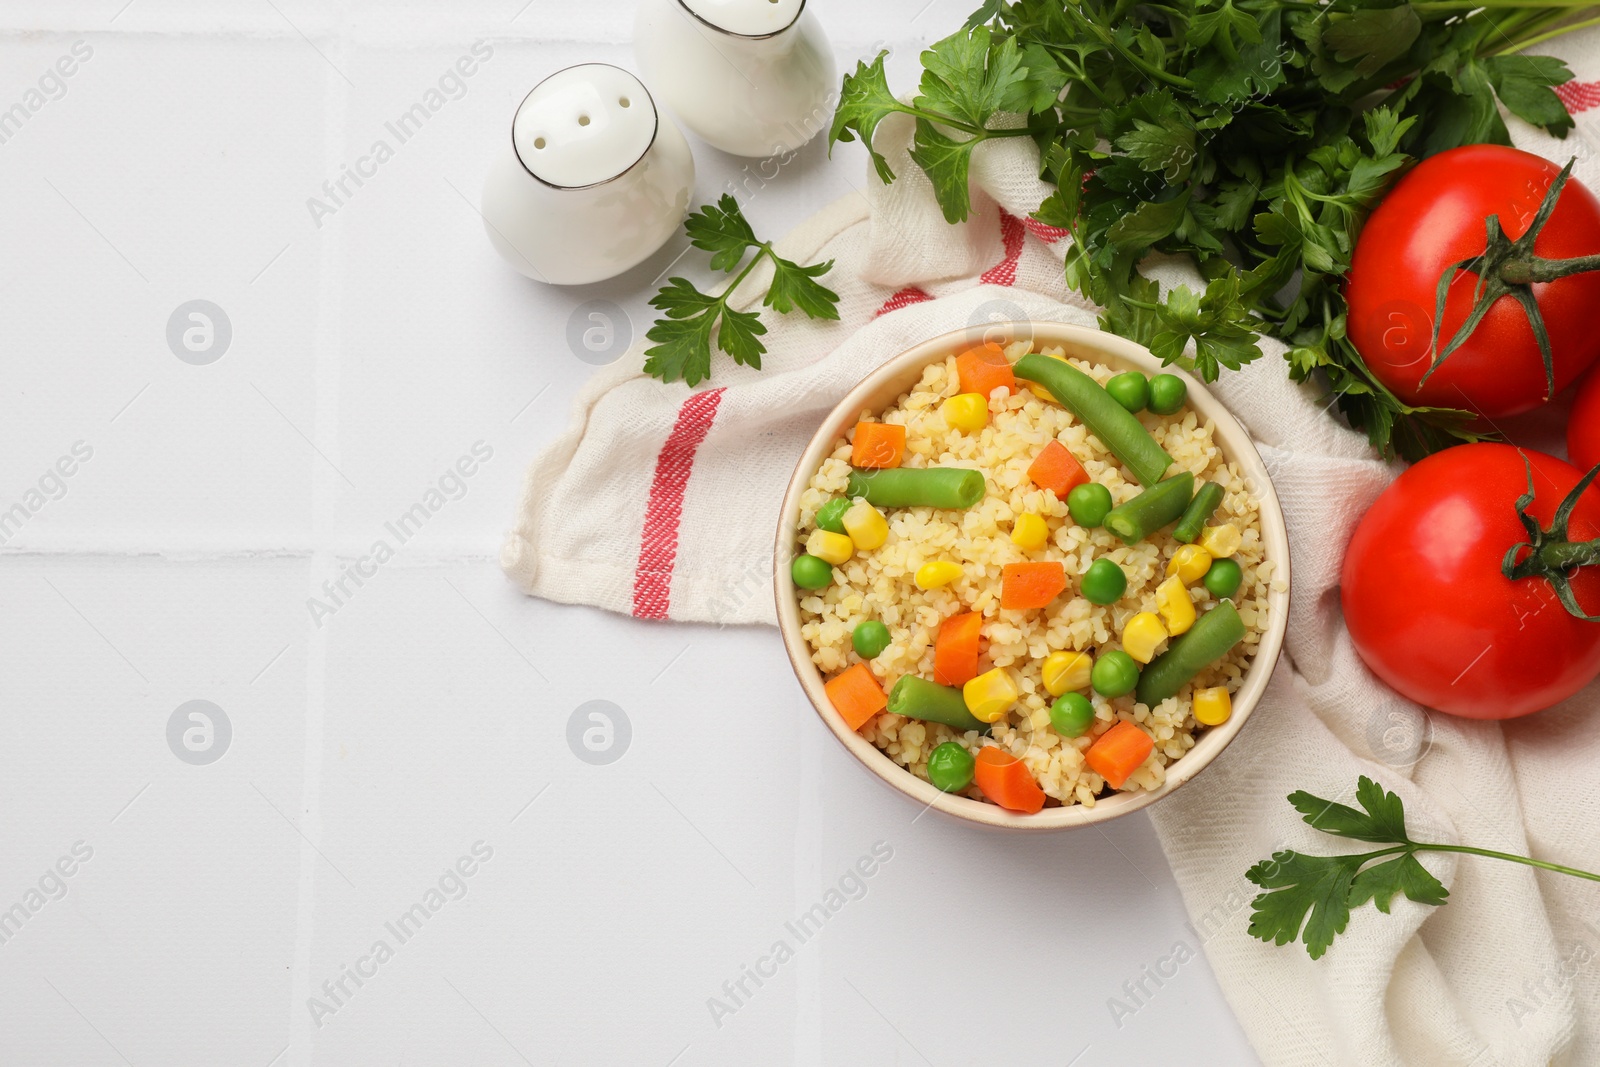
1566,555
1534,269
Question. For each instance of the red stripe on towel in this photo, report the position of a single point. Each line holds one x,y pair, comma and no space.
1579,96
1048,234
1011,235
904,298
658,547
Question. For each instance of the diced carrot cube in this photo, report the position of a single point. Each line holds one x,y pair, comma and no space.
878,444
955,650
1057,470
984,369
1031,585
1119,752
1006,780
856,695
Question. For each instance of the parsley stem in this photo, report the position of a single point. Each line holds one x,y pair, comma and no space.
1472,5
763,250
1526,42
1541,864
943,119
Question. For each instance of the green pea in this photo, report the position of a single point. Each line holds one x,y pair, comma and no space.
1088,504
1114,674
1223,578
811,572
830,516
1072,714
950,767
1130,389
1167,393
1104,582
870,638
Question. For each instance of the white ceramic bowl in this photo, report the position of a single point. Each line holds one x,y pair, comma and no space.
881,389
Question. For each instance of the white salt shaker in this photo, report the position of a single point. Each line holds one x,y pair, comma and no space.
752,77
593,180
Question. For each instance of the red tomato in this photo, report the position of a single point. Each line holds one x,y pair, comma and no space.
1426,602
1583,428
1434,218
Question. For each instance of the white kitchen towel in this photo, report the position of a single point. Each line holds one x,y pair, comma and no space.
661,502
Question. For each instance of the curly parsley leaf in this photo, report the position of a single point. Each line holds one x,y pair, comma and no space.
693,322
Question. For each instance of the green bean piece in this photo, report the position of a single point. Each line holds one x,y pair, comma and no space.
1118,428
1206,500
830,516
918,698
909,487
1158,506
1211,637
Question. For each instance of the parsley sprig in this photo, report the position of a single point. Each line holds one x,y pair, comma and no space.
1250,136
1309,897
683,339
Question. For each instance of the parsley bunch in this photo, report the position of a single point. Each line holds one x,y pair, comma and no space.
683,338
1311,896
1251,136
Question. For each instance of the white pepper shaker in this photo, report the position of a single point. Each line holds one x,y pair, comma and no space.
592,180
751,77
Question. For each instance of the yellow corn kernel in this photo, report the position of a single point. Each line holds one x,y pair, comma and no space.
989,695
1221,541
1029,532
939,572
966,411
866,526
1143,637
1189,563
836,548
1175,605
1065,672
1212,707
1040,391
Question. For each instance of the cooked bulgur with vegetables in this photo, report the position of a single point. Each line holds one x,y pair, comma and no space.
1032,580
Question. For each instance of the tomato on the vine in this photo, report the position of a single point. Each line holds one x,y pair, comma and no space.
1583,428
1435,219
1433,613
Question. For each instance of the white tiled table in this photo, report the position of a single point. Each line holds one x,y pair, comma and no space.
428,714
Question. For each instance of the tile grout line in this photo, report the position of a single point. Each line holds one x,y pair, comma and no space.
325,494
810,842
